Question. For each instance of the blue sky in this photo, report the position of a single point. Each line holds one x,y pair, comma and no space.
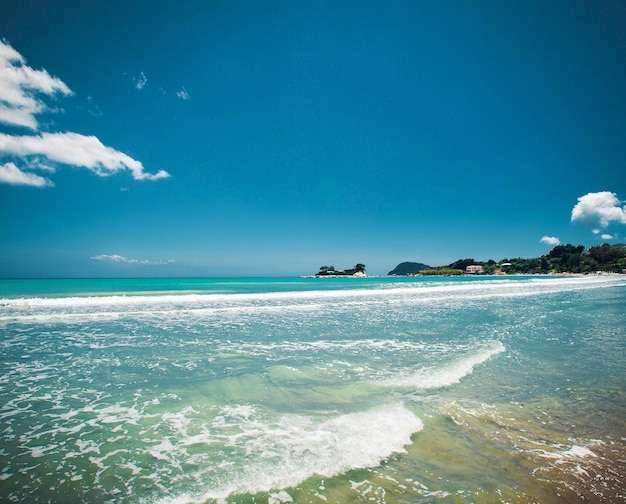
149,138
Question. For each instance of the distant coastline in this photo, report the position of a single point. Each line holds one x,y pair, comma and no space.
562,259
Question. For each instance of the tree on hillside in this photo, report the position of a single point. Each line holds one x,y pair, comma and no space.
567,257
607,258
462,264
605,253
564,250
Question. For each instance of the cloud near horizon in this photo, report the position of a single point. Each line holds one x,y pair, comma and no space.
550,240
598,210
121,259
20,90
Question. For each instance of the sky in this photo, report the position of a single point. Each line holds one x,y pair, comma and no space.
242,138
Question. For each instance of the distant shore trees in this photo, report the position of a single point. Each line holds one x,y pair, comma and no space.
574,259
561,259
442,271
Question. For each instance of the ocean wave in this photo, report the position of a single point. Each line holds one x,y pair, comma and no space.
447,374
502,285
301,449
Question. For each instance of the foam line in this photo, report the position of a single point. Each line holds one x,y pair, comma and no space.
476,289
302,450
446,375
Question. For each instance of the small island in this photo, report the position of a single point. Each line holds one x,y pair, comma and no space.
357,271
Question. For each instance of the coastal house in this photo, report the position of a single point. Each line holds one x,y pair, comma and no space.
474,269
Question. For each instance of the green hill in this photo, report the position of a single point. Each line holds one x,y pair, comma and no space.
408,268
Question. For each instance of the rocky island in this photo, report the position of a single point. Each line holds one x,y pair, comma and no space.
357,271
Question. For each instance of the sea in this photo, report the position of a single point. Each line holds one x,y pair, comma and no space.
313,390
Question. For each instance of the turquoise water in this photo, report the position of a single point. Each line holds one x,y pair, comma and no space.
313,390
155,286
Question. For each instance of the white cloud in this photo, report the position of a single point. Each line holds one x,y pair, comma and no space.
550,240
20,90
606,237
121,259
21,87
11,174
76,150
598,210
140,81
183,94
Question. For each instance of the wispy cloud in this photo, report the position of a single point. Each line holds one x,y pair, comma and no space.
183,94
93,108
21,89
550,240
597,210
76,150
121,259
140,81
11,174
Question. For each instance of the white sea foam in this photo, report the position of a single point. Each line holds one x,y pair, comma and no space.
446,375
574,453
301,448
163,451
279,498
361,346
43,310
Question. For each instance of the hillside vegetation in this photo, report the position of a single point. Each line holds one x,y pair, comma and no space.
561,259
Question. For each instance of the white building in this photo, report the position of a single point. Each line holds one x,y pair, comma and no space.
474,269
